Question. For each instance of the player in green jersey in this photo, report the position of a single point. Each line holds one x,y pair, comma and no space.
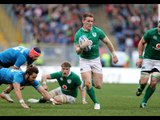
86,42
69,83
149,61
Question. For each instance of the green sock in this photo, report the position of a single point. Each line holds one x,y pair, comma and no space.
41,100
148,94
93,83
91,94
142,86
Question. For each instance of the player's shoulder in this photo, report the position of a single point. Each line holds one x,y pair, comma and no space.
96,28
152,31
78,31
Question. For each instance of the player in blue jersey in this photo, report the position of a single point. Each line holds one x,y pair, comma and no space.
20,78
14,58
17,56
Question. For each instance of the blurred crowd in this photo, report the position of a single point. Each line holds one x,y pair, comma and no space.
130,21
51,23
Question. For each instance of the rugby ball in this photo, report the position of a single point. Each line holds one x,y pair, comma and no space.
84,39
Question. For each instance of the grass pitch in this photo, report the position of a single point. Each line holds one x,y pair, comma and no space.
115,99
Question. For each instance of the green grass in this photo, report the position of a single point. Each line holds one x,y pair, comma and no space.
115,99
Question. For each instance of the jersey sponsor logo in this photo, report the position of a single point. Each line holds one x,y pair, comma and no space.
69,81
64,87
158,46
94,34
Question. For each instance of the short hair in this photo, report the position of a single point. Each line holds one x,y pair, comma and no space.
87,14
32,69
65,65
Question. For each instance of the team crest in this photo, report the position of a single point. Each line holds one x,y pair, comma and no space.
69,81
94,34
61,79
155,37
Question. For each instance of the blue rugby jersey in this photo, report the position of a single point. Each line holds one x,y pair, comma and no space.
9,76
15,56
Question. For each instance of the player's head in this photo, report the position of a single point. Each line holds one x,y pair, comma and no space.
31,73
65,68
34,53
159,27
87,20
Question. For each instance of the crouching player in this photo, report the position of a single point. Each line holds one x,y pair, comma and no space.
19,78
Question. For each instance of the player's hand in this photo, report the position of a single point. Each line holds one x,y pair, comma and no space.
84,43
114,59
139,63
22,87
84,102
24,105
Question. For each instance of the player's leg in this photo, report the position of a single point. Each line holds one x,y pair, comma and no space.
155,76
86,74
97,80
142,82
5,94
145,74
65,99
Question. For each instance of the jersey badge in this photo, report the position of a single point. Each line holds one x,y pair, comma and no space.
94,34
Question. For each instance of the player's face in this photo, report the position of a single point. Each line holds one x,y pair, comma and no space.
87,23
65,71
35,57
31,78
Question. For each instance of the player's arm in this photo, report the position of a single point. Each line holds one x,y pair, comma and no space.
18,94
14,67
111,49
46,95
78,49
141,46
44,81
45,78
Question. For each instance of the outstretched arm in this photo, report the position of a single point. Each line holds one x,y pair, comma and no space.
46,95
18,94
111,49
141,46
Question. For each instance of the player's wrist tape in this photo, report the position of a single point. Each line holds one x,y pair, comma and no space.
21,101
44,83
113,54
51,99
140,57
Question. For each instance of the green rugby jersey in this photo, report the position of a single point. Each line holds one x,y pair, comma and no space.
152,50
95,34
69,84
